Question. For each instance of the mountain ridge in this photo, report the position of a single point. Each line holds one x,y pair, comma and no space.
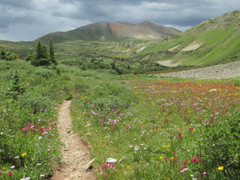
112,31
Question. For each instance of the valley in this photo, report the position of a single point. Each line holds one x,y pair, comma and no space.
122,101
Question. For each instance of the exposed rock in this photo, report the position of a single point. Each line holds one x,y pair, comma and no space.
111,160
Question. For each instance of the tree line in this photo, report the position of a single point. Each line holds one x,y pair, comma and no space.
43,56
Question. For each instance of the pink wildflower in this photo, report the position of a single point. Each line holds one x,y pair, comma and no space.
106,175
10,173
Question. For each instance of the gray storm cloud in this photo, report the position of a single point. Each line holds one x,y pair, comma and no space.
30,19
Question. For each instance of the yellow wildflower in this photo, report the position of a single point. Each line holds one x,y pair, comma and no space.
194,130
24,154
172,158
161,157
135,139
221,168
128,167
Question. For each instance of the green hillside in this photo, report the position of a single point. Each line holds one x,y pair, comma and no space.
213,41
218,41
92,32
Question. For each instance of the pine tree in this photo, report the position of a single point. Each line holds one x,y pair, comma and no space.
39,51
44,52
51,53
3,53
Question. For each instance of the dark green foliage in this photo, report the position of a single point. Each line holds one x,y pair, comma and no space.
3,53
44,52
42,57
39,50
237,82
221,147
34,102
8,56
51,53
58,72
15,87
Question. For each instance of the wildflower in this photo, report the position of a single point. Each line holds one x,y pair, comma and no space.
194,130
0,172
135,139
32,159
12,167
128,167
161,157
106,175
171,136
16,157
24,154
172,158
205,173
98,167
42,175
166,159
10,173
221,168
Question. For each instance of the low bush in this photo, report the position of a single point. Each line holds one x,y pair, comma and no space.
111,95
220,148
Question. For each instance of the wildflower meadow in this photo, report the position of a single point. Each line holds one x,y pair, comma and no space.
161,128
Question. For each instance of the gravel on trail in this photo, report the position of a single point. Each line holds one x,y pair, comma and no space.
75,153
222,71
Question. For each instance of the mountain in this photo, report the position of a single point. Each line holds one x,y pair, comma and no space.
213,41
112,31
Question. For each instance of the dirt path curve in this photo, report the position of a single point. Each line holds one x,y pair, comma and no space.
75,154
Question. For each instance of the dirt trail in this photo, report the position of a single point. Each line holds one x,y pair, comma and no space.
75,154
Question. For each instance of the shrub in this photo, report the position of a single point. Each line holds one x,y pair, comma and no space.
66,77
111,95
221,147
237,82
81,87
34,102
46,73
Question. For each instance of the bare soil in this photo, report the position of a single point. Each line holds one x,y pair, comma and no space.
169,63
192,46
75,154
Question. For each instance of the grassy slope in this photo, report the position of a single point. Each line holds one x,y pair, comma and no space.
219,39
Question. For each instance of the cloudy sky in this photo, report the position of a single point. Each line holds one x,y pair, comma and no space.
27,20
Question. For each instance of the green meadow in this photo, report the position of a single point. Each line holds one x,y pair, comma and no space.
155,127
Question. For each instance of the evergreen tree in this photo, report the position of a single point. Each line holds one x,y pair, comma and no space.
44,52
51,53
3,53
39,50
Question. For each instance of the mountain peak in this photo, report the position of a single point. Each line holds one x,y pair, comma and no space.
111,31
